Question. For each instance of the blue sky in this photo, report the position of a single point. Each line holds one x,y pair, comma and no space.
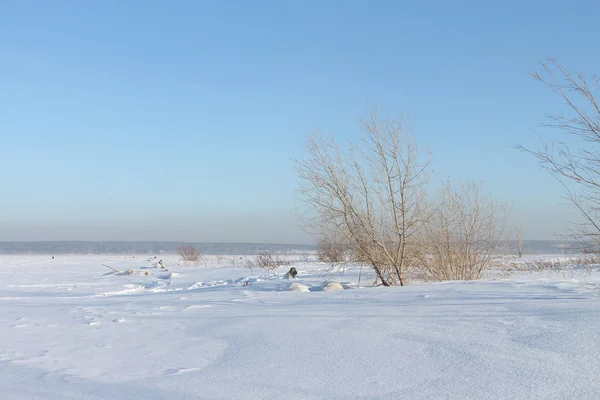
156,120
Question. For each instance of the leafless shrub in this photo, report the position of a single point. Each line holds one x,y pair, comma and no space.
371,196
189,254
463,234
304,257
539,264
374,197
331,252
267,260
556,264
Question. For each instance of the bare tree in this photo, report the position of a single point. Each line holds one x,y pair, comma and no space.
189,254
576,164
519,234
372,195
463,235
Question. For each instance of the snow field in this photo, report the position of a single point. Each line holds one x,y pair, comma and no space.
72,329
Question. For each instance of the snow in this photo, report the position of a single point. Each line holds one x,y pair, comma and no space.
72,329
332,286
299,287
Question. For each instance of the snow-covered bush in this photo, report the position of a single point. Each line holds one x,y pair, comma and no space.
298,287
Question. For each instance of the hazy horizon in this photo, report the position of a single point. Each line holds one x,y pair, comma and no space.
159,122
222,234
155,248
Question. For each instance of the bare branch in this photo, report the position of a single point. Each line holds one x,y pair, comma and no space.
577,170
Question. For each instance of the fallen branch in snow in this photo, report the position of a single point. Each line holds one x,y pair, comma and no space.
108,266
128,272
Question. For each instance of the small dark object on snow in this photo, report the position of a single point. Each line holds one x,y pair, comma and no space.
293,272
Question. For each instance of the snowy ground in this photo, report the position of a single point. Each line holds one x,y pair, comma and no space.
71,329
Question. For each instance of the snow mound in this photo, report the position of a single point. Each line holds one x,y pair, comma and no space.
170,275
333,286
298,287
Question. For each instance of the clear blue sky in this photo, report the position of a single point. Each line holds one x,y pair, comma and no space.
178,120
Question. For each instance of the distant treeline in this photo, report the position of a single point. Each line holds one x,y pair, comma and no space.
150,248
